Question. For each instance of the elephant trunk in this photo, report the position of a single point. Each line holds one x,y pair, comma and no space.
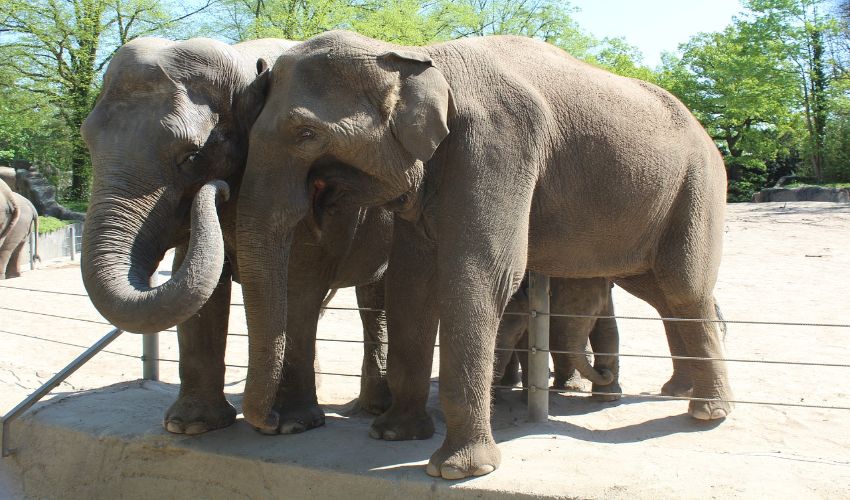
270,208
580,362
122,245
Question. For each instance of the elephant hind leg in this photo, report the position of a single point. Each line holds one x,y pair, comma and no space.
14,268
646,287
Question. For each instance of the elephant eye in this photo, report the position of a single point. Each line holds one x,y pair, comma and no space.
189,164
305,134
189,158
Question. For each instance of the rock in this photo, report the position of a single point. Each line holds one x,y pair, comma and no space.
33,185
805,193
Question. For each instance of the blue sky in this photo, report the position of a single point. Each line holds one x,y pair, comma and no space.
654,26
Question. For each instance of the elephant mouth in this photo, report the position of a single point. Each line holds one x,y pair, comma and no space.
334,186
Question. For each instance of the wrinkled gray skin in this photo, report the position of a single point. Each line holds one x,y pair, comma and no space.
591,297
17,218
172,117
498,154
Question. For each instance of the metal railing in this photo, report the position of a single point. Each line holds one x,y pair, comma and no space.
538,350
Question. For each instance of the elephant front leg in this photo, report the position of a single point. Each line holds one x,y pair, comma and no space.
412,326
296,402
201,405
374,390
605,340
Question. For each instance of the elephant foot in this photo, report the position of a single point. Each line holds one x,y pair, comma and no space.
193,415
375,396
678,385
12,275
711,410
470,459
607,393
296,419
394,427
573,382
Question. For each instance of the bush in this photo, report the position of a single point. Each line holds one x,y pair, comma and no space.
50,224
746,176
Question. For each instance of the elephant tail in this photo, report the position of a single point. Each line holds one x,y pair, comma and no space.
327,301
722,320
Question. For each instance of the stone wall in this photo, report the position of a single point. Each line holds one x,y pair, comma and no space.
31,184
805,193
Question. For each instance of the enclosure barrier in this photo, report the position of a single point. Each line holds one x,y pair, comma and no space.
538,354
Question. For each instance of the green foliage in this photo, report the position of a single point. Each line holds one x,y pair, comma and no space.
75,205
747,175
53,54
49,224
772,88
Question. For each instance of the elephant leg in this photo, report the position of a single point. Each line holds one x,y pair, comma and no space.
569,335
5,253
296,402
511,329
510,375
646,287
201,405
14,268
374,390
412,319
710,379
605,339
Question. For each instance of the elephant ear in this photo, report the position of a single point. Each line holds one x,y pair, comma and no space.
419,119
253,98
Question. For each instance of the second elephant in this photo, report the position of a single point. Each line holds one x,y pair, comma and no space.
19,216
589,300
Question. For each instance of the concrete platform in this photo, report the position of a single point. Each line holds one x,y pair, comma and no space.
109,443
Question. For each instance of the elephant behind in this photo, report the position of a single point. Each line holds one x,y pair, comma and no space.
168,138
18,218
581,297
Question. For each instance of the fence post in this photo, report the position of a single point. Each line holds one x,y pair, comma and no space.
73,242
150,346
538,344
150,355
33,234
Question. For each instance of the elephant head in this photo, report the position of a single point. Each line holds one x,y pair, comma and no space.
172,116
331,135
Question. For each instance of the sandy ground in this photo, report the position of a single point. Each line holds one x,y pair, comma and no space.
782,263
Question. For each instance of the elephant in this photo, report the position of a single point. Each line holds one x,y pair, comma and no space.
496,154
168,142
17,219
585,297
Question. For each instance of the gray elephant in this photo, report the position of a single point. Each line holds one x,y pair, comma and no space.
497,154
582,297
18,217
168,141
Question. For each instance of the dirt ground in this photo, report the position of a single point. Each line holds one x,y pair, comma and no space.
782,263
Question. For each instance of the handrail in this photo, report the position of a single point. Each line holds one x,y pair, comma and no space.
51,384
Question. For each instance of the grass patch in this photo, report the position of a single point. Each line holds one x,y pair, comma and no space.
76,206
50,224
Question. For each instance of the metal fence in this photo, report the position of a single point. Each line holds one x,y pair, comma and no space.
66,242
538,350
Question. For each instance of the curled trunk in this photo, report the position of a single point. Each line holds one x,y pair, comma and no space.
122,245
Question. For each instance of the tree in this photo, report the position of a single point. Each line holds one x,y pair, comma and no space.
739,85
58,48
804,32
